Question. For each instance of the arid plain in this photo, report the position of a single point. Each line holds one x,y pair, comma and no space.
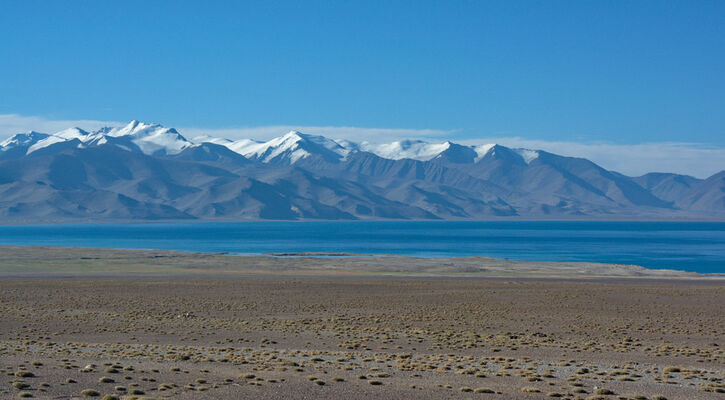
80,323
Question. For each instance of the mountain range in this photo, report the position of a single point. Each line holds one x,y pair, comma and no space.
150,172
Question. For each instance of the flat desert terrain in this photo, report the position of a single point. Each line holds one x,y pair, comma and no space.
79,323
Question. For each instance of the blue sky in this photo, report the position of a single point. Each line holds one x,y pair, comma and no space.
580,72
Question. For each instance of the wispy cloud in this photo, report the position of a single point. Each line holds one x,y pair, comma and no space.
335,132
11,124
695,159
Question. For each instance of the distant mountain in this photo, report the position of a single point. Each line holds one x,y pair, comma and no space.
668,187
19,145
149,139
705,196
150,172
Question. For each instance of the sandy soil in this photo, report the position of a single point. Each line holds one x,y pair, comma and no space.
106,327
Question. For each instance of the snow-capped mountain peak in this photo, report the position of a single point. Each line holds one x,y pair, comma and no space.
132,128
152,138
287,141
140,129
290,147
293,135
22,139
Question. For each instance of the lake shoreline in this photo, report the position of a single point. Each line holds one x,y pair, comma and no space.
21,262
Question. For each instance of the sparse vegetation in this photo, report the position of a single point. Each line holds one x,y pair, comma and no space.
432,338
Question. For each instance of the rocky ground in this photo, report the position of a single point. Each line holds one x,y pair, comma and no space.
316,335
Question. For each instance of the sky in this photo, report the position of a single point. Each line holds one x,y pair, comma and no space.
636,86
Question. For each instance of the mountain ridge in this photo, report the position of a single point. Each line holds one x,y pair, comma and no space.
151,172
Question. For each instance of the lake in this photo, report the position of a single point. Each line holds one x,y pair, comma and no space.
691,246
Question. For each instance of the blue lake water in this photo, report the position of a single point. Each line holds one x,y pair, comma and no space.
691,246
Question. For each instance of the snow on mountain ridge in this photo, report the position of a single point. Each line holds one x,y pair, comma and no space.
73,133
155,139
424,151
22,139
50,140
149,138
482,150
287,143
293,146
527,155
62,136
152,138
